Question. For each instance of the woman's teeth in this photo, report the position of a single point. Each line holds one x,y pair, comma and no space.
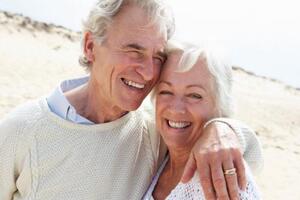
178,125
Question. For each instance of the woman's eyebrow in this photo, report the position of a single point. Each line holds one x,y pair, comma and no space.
196,85
165,82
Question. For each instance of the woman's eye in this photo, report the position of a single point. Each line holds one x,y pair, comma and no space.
164,92
195,96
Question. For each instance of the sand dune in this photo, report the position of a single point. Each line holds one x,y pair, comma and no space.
35,57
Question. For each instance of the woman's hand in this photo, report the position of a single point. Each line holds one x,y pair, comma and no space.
217,151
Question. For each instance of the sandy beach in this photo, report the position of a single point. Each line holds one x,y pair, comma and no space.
35,57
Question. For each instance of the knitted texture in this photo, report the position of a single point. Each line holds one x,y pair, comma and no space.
45,157
193,190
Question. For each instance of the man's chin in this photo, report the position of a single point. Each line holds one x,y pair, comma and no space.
131,106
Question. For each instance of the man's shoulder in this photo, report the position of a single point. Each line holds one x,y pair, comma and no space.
21,116
29,109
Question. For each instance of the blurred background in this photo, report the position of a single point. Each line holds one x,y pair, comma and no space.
262,36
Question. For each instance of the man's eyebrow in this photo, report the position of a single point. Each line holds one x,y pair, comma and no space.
162,54
134,46
141,48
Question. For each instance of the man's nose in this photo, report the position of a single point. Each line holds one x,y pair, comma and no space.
146,69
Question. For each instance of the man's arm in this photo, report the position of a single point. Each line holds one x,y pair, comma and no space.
250,144
15,171
7,159
221,147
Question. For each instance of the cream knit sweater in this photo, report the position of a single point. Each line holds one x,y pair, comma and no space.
44,157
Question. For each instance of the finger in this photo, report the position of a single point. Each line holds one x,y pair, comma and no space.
241,174
189,169
231,179
206,181
219,180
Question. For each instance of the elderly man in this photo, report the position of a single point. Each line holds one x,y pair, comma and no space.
90,140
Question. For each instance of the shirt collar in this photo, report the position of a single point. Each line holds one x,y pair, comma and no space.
60,105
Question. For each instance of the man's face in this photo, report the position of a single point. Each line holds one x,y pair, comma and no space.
127,64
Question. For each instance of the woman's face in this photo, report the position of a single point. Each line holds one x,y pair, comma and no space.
184,102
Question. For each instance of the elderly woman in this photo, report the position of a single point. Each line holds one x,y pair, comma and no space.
194,87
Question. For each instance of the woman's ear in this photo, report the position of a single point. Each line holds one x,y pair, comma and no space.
89,47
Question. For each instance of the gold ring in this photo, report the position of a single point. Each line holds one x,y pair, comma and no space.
231,171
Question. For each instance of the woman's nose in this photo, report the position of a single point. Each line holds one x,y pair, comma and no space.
177,106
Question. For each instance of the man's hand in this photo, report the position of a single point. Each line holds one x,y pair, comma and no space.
216,151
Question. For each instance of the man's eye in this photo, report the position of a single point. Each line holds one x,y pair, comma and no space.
134,54
159,61
195,96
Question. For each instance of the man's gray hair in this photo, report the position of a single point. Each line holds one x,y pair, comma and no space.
220,70
103,12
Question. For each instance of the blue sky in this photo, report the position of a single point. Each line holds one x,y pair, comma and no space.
262,36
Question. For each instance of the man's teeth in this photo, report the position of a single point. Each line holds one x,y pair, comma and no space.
173,124
134,84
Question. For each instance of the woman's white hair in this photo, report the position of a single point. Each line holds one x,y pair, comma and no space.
103,12
220,71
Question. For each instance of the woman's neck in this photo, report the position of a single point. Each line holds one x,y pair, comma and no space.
172,173
177,161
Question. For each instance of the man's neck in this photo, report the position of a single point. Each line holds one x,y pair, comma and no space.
91,106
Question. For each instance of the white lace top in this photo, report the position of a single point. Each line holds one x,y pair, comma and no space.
193,190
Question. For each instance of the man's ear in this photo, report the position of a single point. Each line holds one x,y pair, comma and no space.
89,47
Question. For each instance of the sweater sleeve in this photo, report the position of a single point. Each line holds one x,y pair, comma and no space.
251,147
8,145
14,164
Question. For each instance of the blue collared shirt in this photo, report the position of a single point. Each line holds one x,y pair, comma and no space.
59,104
